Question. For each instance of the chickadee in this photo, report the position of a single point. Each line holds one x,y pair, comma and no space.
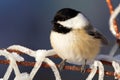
73,37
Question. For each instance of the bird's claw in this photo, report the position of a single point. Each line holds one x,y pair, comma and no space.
61,65
83,69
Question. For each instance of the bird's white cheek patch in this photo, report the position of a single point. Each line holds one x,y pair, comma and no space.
77,22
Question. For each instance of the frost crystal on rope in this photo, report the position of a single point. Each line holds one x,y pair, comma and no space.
54,68
39,55
101,70
112,18
22,49
116,68
12,65
94,70
17,57
23,76
8,72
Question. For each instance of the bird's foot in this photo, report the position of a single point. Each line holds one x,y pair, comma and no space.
83,67
61,65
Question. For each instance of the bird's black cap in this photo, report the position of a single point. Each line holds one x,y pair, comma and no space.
65,14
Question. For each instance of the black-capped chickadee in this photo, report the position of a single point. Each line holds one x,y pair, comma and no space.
73,37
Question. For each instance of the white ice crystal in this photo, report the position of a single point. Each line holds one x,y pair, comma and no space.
40,57
8,72
12,65
23,76
112,18
116,67
54,68
99,65
22,49
93,72
51,52
17,57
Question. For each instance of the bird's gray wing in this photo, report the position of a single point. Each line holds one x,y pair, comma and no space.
98,35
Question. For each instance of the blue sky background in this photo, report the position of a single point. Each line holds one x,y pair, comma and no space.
28,23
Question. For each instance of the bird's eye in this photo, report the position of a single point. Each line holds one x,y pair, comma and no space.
58,25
